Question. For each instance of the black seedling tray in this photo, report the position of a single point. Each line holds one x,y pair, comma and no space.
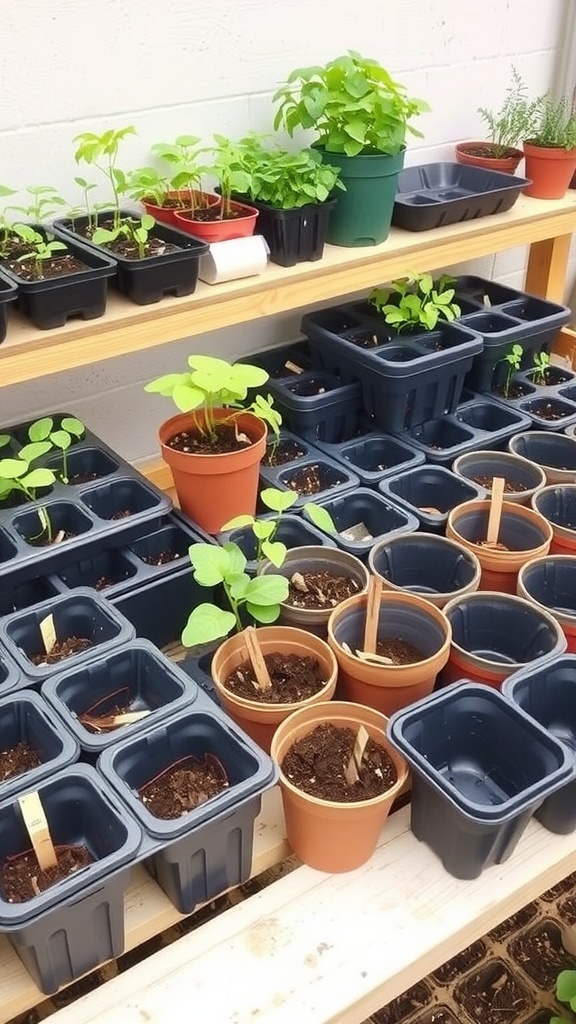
274,360
338,479
305,449
148,280
159,608
374,456
429,493
375,515
10,676
292,531
476,424
26,718
85,509
8,293
433,195
51,301
317,416
560,396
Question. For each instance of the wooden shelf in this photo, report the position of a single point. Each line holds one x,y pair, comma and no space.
546,225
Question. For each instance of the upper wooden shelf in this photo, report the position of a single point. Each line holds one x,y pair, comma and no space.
28,353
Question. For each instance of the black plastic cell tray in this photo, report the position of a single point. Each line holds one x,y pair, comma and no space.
84,507
8,293
340,479
317,417
26,718
433,195
374,456
561,395
10,675
293,236
430,493
380,515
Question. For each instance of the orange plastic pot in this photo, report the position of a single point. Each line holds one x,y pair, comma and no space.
220,230
523,531
495,634
469,153
550,170
189,200
324,834
212,489
551,583
557,504
257,718
388,688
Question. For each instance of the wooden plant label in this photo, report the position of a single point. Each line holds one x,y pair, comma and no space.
352,773
48,631
372,614
495,511
128,717
37,828
293,367
257,659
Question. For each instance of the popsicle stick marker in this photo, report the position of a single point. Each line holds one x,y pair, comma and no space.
372,615
495,511
352,773
38,830
48,633
257,659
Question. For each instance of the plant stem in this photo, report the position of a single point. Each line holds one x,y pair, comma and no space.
234,606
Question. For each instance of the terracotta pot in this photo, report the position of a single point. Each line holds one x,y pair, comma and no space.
557,504
495,634
426,564
314,558
213,489
388,688
524,532
512,467
554,453
550,170
189,199
324,834
551,583
258,719
220,230
465,154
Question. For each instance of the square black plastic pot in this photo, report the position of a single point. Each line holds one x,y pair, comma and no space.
81,613
430,493
111,500
481,767
291,531
364,508
10,675
287,449
274,360
553,412
158,609
16,597
51,301
208,849
137,676
477,424
77,924
8,292
148,280
317,405
109,571
85,461
374,456
26,718
294,236
337,478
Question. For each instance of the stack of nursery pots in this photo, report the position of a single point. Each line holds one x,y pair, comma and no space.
551,583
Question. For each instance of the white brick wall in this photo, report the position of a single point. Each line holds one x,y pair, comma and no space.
201,66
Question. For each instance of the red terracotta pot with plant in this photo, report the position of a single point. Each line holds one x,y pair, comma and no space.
227,219
179,188
215,445
550,147
499,151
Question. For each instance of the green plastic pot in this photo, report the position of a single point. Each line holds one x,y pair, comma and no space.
363,213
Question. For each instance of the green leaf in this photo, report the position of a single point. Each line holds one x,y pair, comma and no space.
4,440
566,986
164,385
238,522
211,564
31,452
237,558
320,517
41,429
265,590
238,586
62,439
263,528
73,426
277,500
186,397
274,551
39,478
12,469
262,613
207,623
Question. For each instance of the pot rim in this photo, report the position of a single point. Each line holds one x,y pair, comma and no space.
237,415
315,614
564,618
436,539
497,595
511,508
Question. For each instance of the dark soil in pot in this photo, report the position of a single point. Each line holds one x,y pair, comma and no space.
183,786
58,266
317,763
510,486
62,649
459,964
486,151
540,953
366,339
283,452
17,760
226,439
126,248
122,513
163,558
320,589
309,388
22,877
313,479
516,390
492,994
551,378
294,678
43,540
400,652
549,410
212,214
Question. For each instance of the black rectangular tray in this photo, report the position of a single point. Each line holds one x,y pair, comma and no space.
433,195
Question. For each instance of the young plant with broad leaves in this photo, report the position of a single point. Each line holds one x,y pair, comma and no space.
44,202
46,437
18,475
283,179
231,169
101,151
258,599
265,530
513,360
539,369
41,248
417,302
213,383
566,993
188,166
135,230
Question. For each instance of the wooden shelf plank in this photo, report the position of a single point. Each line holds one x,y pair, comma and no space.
27,353
329,949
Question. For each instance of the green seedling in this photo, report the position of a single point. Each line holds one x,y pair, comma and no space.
90,212
286,180
566,993
506,127
184,157
230,170
5,224
41,248
42,434
102,152
136,231
420,302
44,203
540,368
513,359
259,598
216,384
19,475
265,530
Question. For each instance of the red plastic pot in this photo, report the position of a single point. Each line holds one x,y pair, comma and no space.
549,169
220,230
506,164
190,199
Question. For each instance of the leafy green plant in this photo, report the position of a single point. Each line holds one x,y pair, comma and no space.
184,157
286,180
265,530
231,170
507,126
101,151
513,359
259,598
18,474
551,123
352,102
42,434
216,384
87,209
44,201
135,230
5,224
41,248
421,302
566,993
540,367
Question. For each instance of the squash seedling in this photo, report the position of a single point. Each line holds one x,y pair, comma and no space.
513,358
41,249
43,435
540,367
102,152
566,993
44,203
416,302
265,530
136,231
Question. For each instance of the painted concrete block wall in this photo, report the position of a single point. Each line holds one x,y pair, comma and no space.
213,65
